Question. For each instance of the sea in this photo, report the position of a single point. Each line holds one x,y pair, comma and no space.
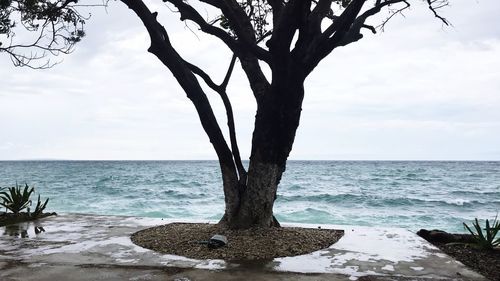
407,194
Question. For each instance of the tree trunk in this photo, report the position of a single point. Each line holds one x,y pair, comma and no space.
277,119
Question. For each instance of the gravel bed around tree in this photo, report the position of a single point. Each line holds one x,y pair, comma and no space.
252,244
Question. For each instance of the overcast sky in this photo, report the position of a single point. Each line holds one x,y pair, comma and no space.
418,91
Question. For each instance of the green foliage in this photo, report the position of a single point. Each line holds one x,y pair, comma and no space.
39,207
55,27
16,200
36,14
487,239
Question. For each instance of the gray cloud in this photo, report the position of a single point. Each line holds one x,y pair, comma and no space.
415,91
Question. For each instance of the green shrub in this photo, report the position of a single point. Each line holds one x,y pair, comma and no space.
39,207
487,239
16,200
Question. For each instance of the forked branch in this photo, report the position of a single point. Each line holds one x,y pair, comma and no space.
187,12
346,28
221,90
243,44
164,51
240,23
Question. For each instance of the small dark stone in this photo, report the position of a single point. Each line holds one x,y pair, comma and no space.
217,241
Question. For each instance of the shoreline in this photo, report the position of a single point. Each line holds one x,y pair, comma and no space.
214,221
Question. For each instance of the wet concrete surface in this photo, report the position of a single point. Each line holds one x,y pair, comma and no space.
91,247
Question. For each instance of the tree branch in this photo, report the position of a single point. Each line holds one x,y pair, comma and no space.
162,48
332,36
323,7
310,29
291,18
240,23
440,4
354,34
221,90
276,6
189,13
248,50
229,72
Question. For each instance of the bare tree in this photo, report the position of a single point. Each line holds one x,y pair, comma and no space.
292,37
258,31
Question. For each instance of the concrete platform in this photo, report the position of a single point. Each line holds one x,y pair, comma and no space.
90,247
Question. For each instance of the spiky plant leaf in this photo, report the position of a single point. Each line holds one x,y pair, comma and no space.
16,200
485,240
39,207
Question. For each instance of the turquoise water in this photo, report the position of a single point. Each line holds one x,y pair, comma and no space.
412,195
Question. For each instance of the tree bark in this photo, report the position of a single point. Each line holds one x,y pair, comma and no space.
277,119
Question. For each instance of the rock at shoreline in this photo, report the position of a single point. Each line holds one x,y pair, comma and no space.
10,218
440,236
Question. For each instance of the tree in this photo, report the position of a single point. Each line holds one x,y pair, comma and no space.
292,37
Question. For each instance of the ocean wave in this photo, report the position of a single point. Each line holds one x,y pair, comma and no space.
103,180
476,175
414,178
476,193
294,187
171,181
374,201
307,215
460,201
450,201
409,201
190,184
176,194
324,197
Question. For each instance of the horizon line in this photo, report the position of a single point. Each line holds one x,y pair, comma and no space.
304,160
